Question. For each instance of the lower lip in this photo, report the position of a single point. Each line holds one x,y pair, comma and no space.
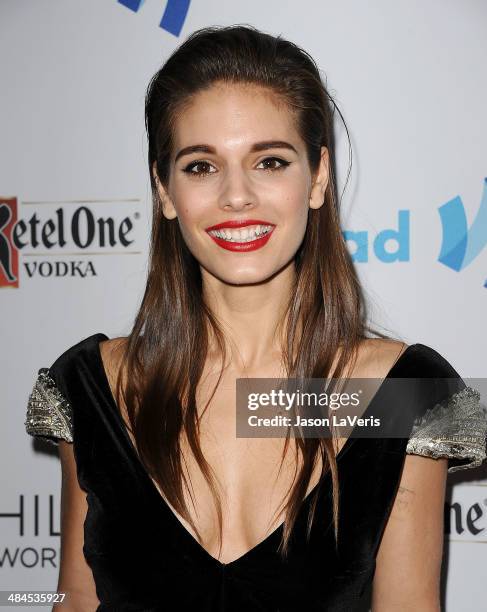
252,245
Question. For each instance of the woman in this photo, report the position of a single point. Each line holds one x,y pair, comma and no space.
163,507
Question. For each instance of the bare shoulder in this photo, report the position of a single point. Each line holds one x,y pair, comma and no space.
376,356
112,350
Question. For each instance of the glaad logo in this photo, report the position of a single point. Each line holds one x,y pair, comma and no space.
174,14
399,236
57,237
461,245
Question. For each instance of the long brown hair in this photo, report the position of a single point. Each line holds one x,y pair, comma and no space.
166,351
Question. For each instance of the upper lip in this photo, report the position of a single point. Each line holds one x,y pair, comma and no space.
235,223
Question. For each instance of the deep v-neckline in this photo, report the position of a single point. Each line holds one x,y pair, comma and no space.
97,338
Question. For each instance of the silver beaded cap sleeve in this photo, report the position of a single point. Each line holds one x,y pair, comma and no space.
455,428
49,414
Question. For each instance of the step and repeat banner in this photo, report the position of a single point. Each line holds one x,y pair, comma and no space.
408,77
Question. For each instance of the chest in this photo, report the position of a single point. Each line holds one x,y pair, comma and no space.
253,476
253,484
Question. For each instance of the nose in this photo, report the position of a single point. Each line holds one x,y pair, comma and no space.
236,191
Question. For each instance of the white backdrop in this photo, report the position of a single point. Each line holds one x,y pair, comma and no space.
409,77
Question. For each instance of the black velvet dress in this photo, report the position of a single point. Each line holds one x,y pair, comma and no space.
143,558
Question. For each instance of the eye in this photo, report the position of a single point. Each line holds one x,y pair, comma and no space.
204,166
270,163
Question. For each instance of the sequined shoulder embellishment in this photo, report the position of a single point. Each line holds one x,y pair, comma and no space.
455,428
49,413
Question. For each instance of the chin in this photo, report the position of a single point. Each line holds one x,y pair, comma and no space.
246,277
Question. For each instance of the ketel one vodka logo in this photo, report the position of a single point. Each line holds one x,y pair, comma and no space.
60,239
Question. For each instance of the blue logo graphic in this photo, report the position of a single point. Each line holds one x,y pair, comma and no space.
461,245
174,15
400,236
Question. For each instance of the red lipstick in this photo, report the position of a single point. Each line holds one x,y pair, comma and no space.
251,245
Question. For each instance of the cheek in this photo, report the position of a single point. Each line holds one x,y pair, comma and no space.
190,206
295,202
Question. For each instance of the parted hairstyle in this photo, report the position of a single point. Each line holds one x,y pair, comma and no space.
167,348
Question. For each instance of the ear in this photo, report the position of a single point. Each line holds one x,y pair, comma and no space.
168,208
320,181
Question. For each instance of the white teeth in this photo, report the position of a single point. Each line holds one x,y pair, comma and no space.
246,234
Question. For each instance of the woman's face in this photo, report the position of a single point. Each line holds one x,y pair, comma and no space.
238,157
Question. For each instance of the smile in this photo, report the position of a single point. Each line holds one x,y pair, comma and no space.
248,238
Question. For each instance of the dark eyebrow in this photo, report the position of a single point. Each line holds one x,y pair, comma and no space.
258,146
